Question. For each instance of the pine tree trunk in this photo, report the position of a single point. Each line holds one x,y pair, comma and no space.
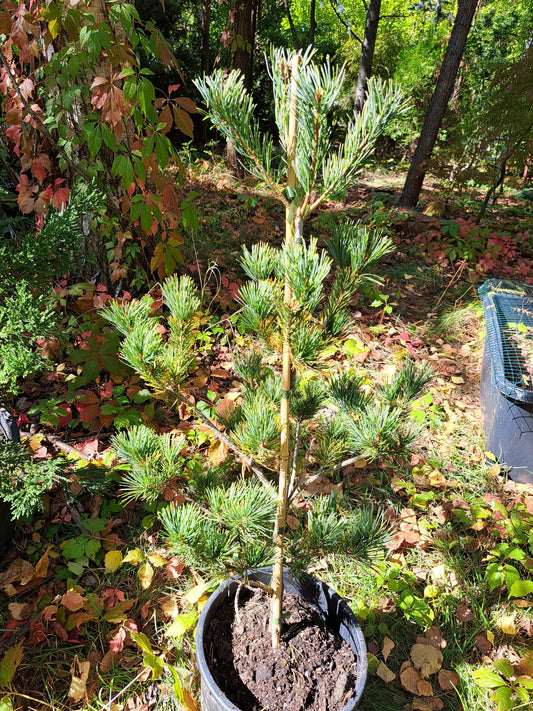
439,102
367,53
292,228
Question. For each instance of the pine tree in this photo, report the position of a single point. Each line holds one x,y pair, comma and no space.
294,320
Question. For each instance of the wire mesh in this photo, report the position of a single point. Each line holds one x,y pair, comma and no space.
508,308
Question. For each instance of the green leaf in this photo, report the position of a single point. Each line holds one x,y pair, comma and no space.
92,548
8,666
6,704
521,588
142,640
505,667
487,679
504,698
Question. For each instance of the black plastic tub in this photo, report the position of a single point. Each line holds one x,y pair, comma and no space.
8,431
336,614
506,391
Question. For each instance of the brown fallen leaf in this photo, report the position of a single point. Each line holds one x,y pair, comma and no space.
385,673
388,646
464,614
409,679
432,703
78,684
426,658
434,637
482,643
424,688
448,680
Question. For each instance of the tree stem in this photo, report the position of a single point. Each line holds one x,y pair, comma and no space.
293,228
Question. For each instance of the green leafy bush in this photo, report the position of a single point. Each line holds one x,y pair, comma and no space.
23,479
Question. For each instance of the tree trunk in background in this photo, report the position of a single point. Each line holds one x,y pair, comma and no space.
312,22
439,102
206,24
367,53
294,34
244,20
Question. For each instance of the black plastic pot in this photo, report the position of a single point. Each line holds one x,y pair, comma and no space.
336,614
8,431
506,392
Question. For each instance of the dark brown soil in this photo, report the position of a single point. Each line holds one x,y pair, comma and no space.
311,668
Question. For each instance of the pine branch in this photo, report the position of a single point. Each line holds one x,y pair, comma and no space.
248,461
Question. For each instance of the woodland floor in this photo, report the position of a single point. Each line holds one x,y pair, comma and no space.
85,574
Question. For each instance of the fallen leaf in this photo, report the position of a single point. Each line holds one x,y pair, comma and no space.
424,688
385,673
434,637
388,646
73,601
20,610
80,674
112,561
157,560
9,663
41,568
464,614
135,556
507,624
409,678
482,643
195,593
448,680
145,575
174,568
427,658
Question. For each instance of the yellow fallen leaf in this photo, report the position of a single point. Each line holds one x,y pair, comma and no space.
195,593
169,606
157,560
112,561
78,684
427,658
490,636
134,556
388,646
507,624
41,568
145,575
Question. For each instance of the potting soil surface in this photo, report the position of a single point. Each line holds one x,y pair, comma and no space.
310,669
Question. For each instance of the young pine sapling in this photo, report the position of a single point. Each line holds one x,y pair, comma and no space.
293,417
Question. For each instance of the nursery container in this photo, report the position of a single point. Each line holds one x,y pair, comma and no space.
507,375
337,616
8,430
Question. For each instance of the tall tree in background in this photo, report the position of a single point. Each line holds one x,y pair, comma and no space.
244,16
367,52
439,101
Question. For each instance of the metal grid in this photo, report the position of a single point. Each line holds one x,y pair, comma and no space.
508,308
